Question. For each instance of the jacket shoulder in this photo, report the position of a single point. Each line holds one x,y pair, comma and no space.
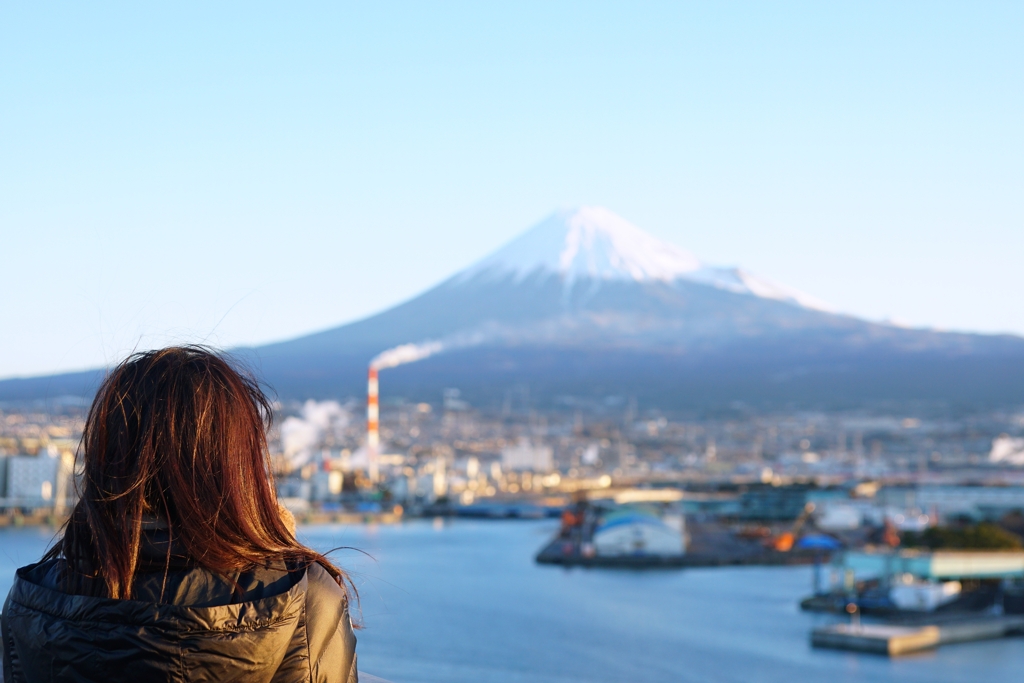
332,642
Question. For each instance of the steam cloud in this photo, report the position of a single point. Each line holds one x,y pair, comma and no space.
301,436
406,353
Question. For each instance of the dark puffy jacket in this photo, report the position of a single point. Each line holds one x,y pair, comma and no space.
268,625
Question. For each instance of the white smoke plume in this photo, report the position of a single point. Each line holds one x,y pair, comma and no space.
302,436
406,353
1007,450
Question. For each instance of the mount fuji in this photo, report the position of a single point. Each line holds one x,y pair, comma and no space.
586,306
592,244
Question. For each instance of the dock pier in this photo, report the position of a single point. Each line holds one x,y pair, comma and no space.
896,639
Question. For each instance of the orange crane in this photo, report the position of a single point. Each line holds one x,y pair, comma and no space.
784,542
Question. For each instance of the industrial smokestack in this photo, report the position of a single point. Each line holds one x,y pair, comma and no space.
392,358
372,424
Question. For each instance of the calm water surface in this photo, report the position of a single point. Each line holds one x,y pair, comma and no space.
463,601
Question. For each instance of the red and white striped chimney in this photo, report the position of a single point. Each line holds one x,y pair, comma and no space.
372,424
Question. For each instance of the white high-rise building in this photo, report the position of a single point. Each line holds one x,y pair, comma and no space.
525,457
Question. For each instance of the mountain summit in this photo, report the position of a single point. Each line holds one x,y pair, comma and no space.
593,243
588,242
585,306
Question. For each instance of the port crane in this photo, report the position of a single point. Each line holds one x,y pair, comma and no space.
785,541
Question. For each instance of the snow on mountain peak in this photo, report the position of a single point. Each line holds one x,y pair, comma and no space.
598,243
591,242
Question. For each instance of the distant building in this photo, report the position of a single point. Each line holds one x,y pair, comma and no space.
773,502
32,480
525,457
978,502
294,489
326,486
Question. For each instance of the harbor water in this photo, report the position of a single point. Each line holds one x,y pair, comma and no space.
464,601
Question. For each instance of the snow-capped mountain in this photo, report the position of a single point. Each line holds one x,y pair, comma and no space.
593,243
585,304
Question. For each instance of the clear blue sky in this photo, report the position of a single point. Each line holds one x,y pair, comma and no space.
237,173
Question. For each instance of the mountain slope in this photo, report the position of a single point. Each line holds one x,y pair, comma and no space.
585,304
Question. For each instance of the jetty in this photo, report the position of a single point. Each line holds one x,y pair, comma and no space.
898,639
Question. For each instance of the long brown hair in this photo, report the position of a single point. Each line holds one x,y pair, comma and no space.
179,435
